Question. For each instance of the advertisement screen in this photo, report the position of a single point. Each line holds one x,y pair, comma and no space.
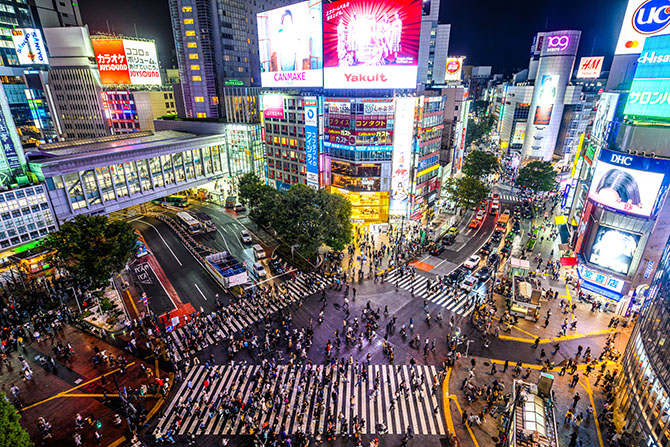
613,249
546,99
519,133
273,106
29,46
371,44
454,68
628,183
590,67
127,62
291,46
604,114
643,19
650,91
402,151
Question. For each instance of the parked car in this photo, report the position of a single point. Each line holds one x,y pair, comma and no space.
246,237
239,208
472,262
468,283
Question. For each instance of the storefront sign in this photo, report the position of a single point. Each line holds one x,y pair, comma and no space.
603,280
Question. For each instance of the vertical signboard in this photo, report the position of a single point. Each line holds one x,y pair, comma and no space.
311,142
402,153
12,160
29,46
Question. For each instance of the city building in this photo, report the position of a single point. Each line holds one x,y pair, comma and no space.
217,47
74,83
435,45
643,385
477,79
134,110
454,102
26,216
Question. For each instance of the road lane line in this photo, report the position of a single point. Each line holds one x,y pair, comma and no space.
164,241
203,295
224,240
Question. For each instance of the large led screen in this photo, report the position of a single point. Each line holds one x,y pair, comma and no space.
650,91
127,62
628,183
291,45
613,249
371,43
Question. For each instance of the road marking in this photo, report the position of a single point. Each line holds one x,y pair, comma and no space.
224,239
203,295
164,241
589,391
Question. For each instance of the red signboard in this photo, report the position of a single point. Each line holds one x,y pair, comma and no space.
112,63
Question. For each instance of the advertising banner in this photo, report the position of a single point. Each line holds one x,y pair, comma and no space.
402,153
273,106
371,44
311,142
454,69
590,67
290,42
643,19
601,279
650,91
546,99
604,114
628,183
29,46
127,62
519,132
614,249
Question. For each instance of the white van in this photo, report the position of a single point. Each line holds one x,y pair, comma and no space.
259,252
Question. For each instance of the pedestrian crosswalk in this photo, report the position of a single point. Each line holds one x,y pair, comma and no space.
233,399
509,198
239,316
461,303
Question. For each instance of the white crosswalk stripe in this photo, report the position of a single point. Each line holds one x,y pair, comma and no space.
301,399
240,319
509,198
461,303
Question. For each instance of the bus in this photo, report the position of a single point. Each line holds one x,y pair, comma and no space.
189,222
206,221
173,200
502,221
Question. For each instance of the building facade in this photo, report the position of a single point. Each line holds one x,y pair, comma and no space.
435,48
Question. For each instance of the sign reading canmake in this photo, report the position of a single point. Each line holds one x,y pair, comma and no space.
643,19
127,62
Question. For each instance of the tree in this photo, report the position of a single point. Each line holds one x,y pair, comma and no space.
537,176
250,188
480,163
267,202
91,248
467,191
337,219
11,432
477,129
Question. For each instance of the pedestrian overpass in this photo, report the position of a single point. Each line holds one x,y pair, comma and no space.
103,175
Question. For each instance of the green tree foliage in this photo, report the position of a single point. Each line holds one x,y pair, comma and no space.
480,163
478,129
250,188
11,432
537,176
302,216
91,248
467,191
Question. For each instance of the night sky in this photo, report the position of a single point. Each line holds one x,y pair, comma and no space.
488,32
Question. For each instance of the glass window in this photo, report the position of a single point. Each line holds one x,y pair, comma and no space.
166,160
131,174
188,165
197,162
143,166
92,193
105,182
119,180
156,173
178,162
74,190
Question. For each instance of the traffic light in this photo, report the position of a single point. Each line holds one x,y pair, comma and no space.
98,424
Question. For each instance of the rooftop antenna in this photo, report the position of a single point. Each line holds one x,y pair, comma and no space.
108,30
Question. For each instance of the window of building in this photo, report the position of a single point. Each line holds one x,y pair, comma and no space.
190,33
187,9
201,115
195,67
197,78
199,99
188,21
192,45
193,56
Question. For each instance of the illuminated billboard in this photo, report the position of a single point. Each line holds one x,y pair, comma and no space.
590,67
643,19
604,114
127,62
454,69
650,91
402,153
29,46
546,99
519,133
371,43
629,183
290,41
273,106
613,249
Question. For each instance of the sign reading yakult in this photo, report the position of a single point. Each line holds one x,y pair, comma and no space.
643,18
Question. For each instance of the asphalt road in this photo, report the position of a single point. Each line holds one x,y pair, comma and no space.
192,283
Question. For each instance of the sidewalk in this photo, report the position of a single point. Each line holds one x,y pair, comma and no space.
77,386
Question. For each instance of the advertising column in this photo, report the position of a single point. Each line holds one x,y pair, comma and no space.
402,153
557,59
311,142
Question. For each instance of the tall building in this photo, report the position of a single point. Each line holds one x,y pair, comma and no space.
643,386
75,85
217,46
433,53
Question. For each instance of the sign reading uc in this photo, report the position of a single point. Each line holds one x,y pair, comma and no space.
652,16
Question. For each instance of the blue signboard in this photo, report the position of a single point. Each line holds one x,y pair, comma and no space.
311,142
